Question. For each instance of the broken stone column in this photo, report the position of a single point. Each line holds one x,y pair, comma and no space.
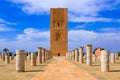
3,56
47,55
51,55
70,55
104,60
67,55
112,57
39,55
7,59
0,56
93,57
29,56
89,54
26,56
81,55
33,59
20,60
11,57
43,55
73,56
76,55
116,56
84,58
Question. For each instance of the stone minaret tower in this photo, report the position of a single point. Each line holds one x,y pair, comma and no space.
59,31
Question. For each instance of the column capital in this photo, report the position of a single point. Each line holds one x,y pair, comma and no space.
76,49
89,45
81,47
39,47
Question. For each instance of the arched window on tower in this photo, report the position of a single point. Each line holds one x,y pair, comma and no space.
58,24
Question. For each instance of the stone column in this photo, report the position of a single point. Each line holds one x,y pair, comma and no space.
112,57
51,54
20,60
116,56
7,59
39,55
84,58
29,56
94,57
3,56
67,55
25,56
0,56
76,55
47,55
81,54
72,55
43,55
104,60
12,57
33,59
89,53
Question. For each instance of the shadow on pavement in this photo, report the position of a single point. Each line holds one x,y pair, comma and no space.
35,71
114,71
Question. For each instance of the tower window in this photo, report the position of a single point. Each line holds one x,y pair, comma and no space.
58,24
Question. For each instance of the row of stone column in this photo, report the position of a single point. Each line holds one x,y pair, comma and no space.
77,56
6,58
43,56
114,57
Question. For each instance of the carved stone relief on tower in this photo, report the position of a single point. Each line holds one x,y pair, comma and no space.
57,35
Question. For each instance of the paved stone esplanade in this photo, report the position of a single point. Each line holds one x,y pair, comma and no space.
62,69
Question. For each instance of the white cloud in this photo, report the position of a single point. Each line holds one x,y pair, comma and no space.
110,29
33,34
118,20
4,25
110,41
84,6
33,38
29,40
89,19
2,21
79,10
4,28
80,26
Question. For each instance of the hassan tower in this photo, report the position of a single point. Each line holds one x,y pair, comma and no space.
59,31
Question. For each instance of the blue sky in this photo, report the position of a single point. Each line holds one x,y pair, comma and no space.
25,24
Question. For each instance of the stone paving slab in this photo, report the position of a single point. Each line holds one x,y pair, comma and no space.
62,69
